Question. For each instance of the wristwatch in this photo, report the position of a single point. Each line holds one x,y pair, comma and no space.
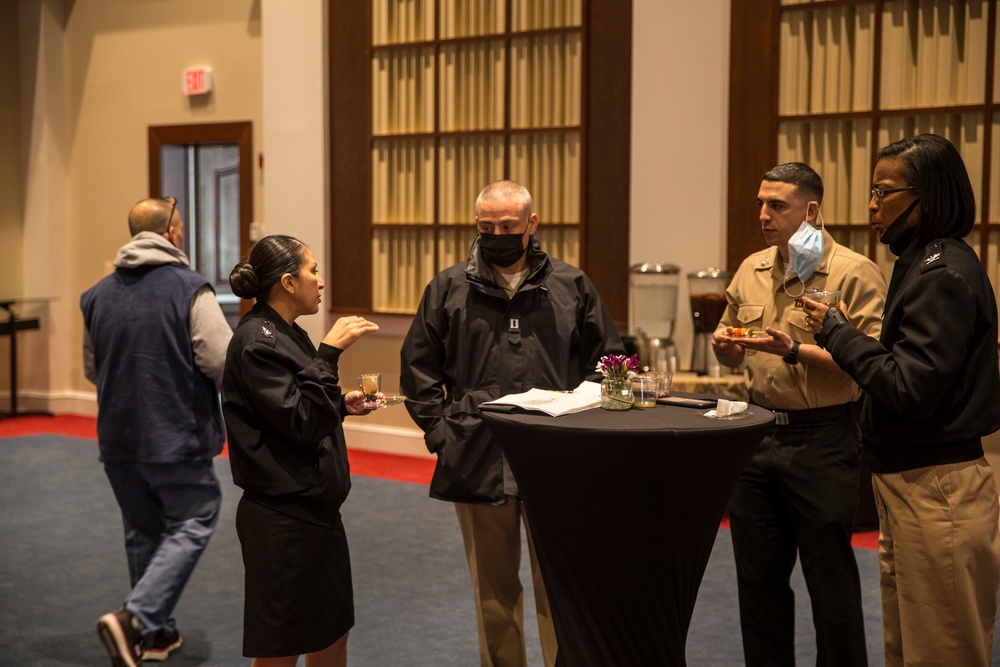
793,355
834,318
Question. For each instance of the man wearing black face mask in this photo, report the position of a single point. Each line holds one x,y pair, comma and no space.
508,319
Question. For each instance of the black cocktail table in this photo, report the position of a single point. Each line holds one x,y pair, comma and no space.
624,508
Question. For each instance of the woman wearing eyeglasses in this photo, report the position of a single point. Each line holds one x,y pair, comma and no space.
931,392
283,409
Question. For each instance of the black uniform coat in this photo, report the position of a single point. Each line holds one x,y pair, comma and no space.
470,343
284,410
931,383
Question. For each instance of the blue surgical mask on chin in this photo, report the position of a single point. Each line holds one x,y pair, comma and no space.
805,250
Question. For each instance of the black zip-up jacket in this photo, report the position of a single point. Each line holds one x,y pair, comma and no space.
284,409
470,343
931,382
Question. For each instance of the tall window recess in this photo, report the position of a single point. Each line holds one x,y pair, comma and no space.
846,78
459,94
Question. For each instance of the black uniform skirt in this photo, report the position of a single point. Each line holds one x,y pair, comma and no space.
298,593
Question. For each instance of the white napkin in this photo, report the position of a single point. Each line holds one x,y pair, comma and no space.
727,408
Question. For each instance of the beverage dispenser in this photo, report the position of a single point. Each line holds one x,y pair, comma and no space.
652,312
707,289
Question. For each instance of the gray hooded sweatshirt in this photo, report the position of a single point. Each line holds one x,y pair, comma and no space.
210,332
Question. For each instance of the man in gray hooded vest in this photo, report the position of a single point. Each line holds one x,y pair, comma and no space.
155,344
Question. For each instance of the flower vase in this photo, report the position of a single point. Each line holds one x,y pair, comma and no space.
616,393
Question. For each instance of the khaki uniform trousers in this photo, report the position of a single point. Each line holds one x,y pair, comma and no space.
492,535
939,564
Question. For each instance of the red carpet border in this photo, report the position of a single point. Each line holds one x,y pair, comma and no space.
864,540
395,467
74,426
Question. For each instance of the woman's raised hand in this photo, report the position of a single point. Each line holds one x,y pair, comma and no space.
348,329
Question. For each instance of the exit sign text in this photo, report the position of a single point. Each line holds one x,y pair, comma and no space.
197,80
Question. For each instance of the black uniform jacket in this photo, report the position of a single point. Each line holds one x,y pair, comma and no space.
931,382
470,343
284,410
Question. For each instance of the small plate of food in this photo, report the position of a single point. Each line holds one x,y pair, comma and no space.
385,402
745,332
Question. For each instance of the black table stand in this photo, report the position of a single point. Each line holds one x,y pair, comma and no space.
624,509
10,328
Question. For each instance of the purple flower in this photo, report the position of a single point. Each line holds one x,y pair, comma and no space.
613,365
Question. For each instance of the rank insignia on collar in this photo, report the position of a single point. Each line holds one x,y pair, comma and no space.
267,329
932,258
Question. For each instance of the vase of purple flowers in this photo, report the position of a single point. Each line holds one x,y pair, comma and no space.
616,387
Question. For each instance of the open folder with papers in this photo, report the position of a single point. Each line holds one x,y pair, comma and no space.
555,403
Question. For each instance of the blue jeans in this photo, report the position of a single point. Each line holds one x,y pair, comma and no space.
169,511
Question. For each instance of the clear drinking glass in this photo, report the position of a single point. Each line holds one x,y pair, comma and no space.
826,297
665,378
645,389
371,387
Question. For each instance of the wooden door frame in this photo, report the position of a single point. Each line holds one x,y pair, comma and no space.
239,133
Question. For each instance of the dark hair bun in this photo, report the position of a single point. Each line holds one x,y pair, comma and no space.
243,281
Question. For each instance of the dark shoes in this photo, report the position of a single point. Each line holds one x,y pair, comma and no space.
122,636
162,646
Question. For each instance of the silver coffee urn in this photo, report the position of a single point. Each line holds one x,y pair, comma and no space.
652,311
707,289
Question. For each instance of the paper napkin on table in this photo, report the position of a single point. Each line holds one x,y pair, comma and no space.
727,408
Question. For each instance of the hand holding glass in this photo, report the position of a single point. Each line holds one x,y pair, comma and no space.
371,387
827,298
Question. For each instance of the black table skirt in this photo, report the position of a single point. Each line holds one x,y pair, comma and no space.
624,508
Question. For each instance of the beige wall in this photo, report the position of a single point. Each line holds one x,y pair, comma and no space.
295,137
11,278
42,165
124,64
11,220
94,75
680,100
101,71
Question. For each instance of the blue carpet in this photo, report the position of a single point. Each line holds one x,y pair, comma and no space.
62,565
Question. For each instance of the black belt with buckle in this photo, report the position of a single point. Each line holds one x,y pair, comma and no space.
811,415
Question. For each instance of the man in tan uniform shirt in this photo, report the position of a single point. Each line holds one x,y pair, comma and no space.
799,492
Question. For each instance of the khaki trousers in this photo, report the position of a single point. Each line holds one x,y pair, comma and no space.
492,535
939,563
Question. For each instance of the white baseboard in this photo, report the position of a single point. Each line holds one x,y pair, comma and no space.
57,402
384,439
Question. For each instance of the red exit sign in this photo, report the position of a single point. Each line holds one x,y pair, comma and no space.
197,80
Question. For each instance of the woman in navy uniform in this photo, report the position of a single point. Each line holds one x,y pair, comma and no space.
932,391
283,409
